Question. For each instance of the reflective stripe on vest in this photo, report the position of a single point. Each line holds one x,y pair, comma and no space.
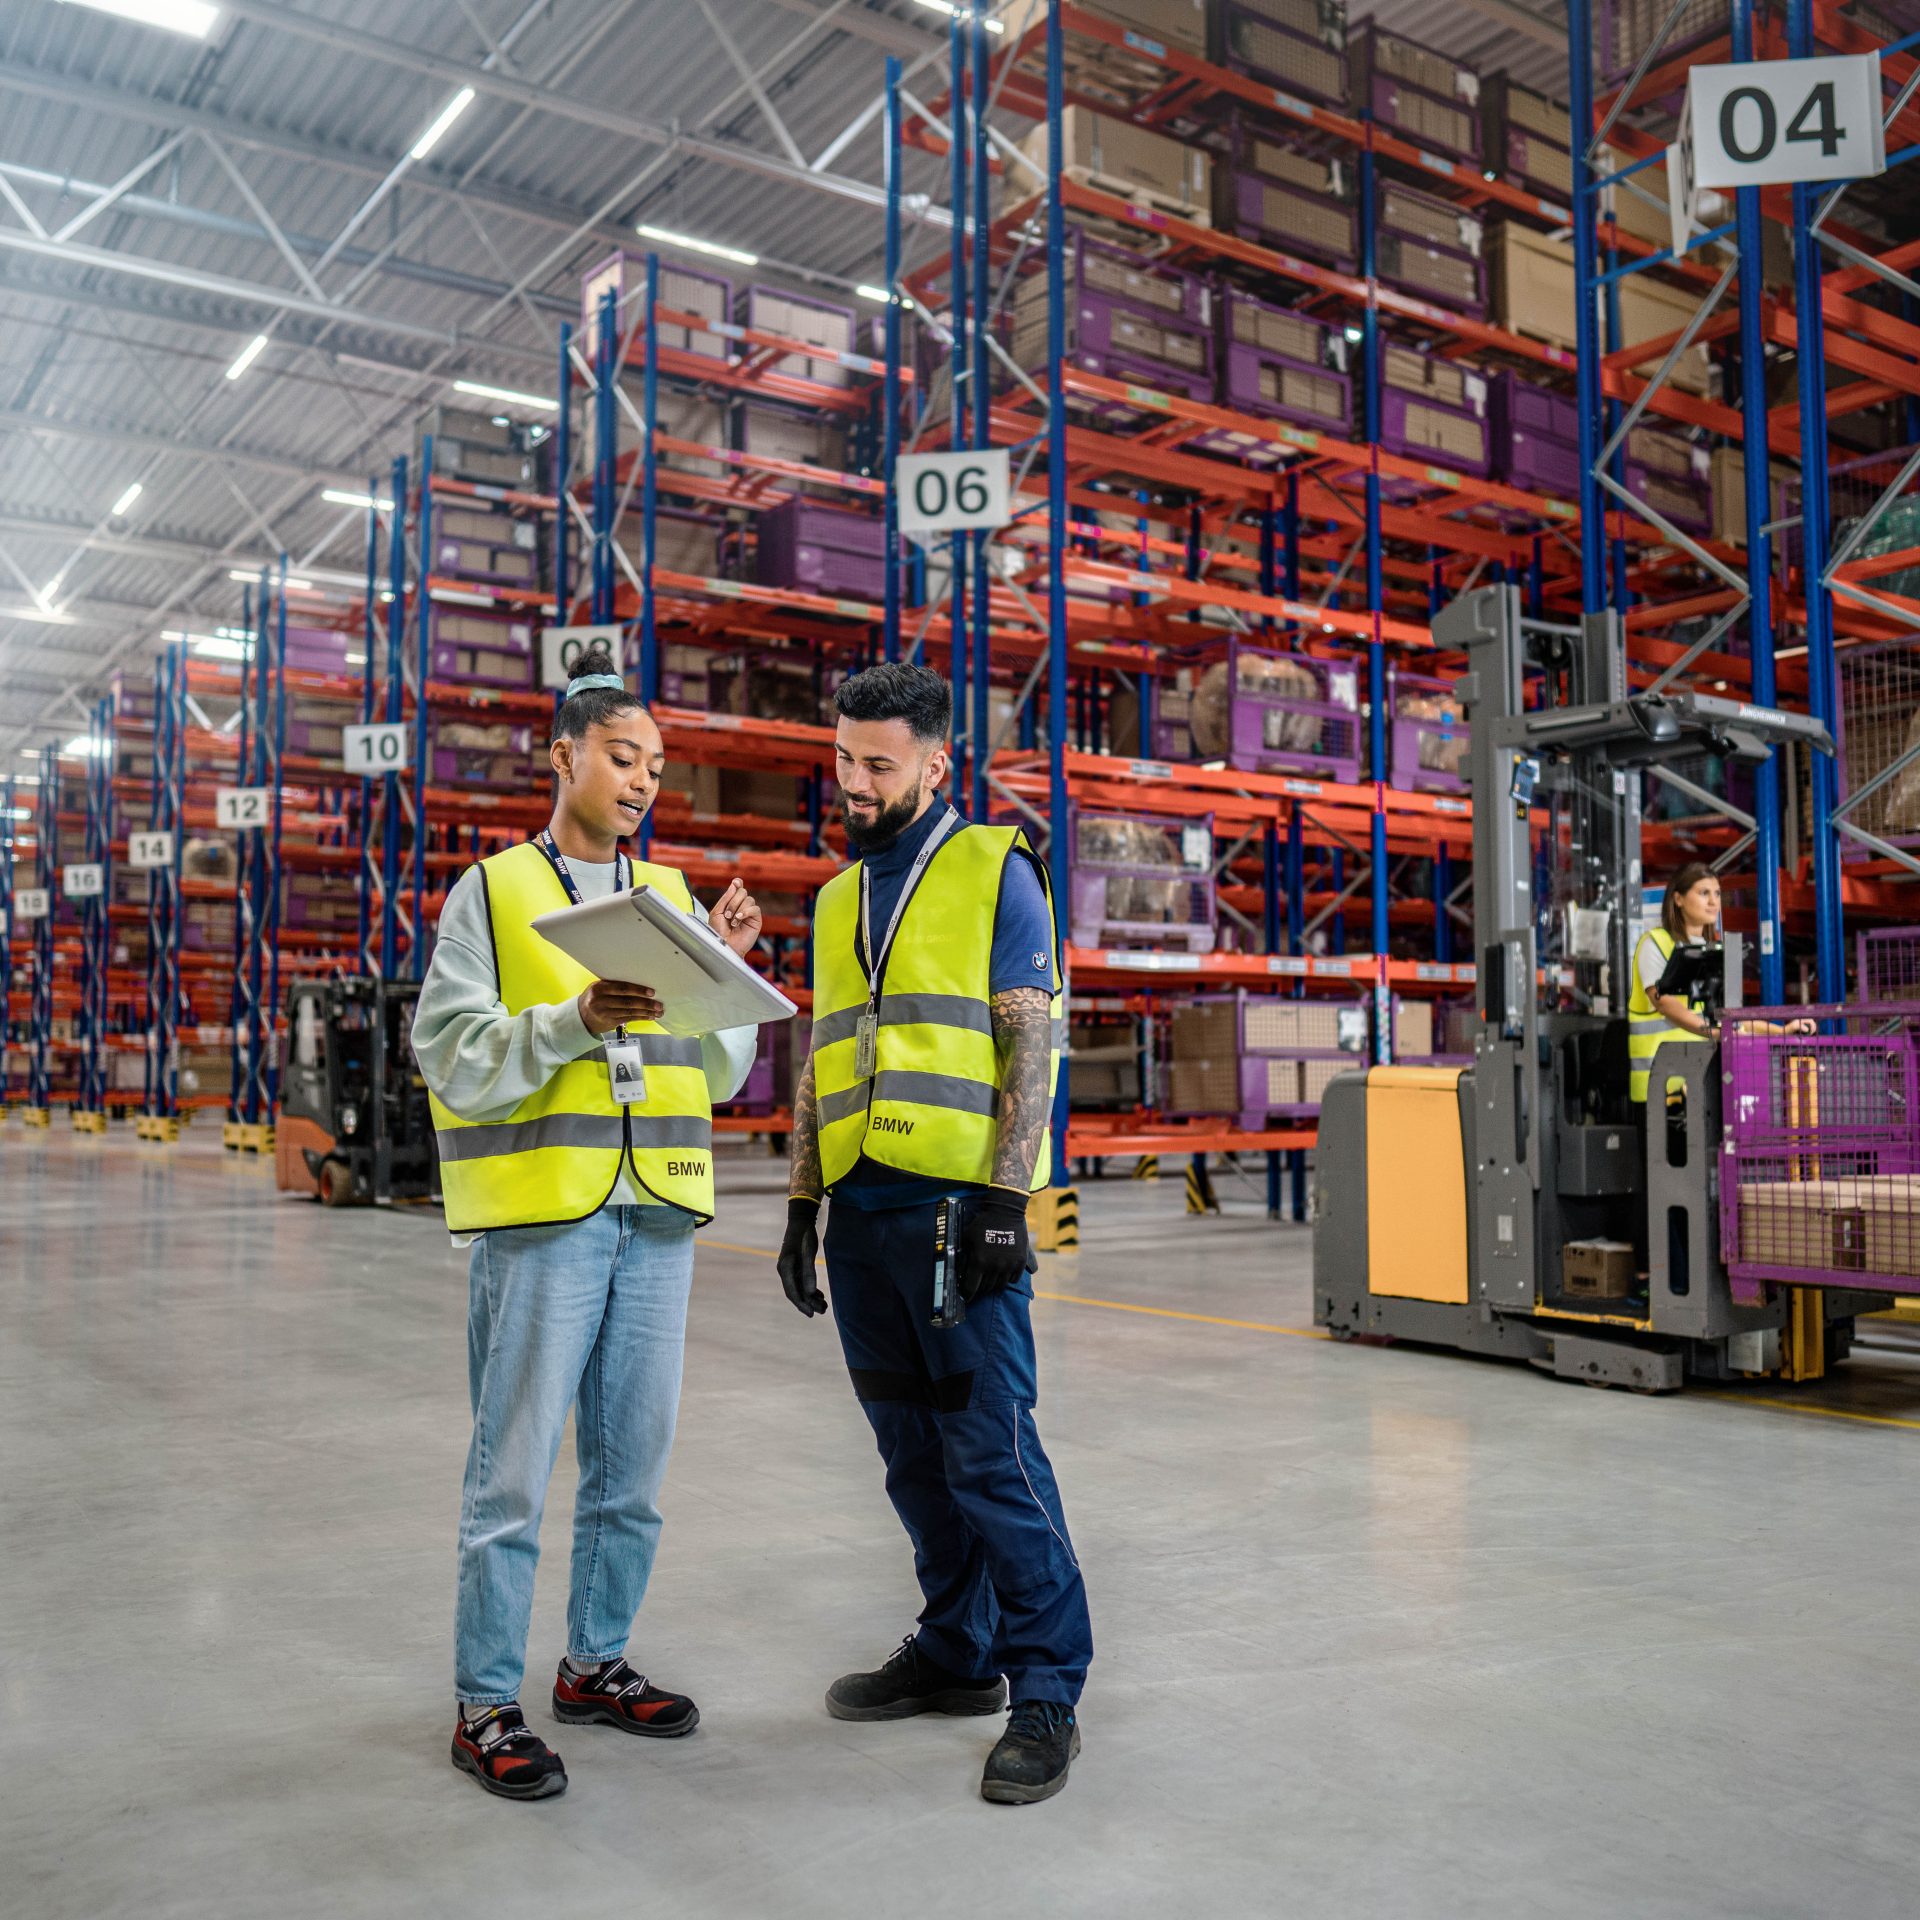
556,1157
931,1105
1648,1029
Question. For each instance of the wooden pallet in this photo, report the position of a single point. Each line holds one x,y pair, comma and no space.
246,1136
1135,195
1093,70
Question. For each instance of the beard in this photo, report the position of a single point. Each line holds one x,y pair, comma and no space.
886,824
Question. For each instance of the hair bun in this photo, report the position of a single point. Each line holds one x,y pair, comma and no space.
595,661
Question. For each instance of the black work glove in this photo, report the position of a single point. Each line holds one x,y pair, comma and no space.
994,1250
798,1251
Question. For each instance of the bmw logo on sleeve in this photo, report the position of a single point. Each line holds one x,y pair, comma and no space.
1040,963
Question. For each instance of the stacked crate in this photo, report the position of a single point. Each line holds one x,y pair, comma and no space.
484,543
1420,95
688,290
1265,713
1142,882
1427,737
1431,247
1435,410
1298,45
482,448
1272,190
1535,436
1125,320
815,323
1276,364
1528,137
1255,1058
1672,476
809,546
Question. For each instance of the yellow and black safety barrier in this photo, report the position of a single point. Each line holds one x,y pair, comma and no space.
156,1126
37,1116
1147,1167
1053,1220
246,1136
85,1122
1200,1195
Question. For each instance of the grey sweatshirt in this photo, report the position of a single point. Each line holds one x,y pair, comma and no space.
482,1061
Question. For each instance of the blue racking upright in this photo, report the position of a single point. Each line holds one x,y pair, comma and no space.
9,787
92,1024
160,1117
38,1111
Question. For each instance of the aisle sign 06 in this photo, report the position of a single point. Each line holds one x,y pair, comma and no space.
1767,123
951,492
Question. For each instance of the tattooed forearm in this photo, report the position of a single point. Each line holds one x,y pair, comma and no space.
804,1178
1023,1038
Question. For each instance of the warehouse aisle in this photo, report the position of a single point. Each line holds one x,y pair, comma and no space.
1380,1632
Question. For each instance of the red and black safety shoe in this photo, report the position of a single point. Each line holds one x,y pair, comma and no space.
616,1696
507,1757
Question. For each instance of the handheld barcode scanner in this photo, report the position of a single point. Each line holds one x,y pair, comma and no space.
948,1307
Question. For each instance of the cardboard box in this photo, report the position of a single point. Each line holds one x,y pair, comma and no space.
1203,1086
1730,494
1120,157
1533,294
1413,1027
1177,23
1596,1270
1207,1032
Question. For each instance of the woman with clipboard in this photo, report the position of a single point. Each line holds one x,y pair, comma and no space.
576,1154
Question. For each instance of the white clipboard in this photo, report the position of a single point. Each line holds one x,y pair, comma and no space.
643,937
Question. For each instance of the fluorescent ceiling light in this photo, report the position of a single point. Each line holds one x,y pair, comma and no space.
506,395
252,579
965,13
42,616
248,355
356,659
879,296
686,240
83,745
194,18
232,633
451,112
339,497
218,649
127,499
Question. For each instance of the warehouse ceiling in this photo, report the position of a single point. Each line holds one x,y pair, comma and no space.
165,199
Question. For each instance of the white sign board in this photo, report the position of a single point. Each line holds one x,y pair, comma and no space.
146,850
378,748
243,807
1768,123
561,648
950,492
32,903
84,880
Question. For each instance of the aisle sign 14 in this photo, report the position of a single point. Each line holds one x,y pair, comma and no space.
84,880
145,850
243,807
378,748
950,492
1769,123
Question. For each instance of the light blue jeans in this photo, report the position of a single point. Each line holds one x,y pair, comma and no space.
591,1316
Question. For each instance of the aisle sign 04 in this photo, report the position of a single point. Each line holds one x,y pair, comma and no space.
380,747
243,807
148,850
1769,123
951,492
561,648
83,880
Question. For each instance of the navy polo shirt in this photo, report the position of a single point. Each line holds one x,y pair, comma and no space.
1022,957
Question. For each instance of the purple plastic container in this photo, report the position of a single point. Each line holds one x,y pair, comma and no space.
1274,726
1142,882
1421,428
814,548
1417,92
1426,736
683,289
815,323
1423,121
1279,216
1273,386
1297,45
1537,163
1536,436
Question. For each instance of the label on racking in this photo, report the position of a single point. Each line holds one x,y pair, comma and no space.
1766,123
146,850
243,808
32,903
84,880
1286,964
379,748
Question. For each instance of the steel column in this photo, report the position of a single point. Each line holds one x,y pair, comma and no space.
1593,529
1059,868
890,386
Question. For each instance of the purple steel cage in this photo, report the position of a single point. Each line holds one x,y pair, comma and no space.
1879,721
1279,365
684,289
1297,44
1414,91
797,316
1139,881
1276,190
1536,436
815,548
1820,1150
1427,735
1267,713
1888,964
1624,29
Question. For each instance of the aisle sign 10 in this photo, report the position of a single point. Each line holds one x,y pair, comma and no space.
243,807
84,880
32,903
148,850
1768,123
950,492
378,748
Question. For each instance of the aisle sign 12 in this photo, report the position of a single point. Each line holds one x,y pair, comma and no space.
1767,123
950,492
243,807
378,748
146,850
84,880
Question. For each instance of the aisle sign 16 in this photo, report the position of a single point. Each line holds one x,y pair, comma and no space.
146,850
1767,123
243,807
84,880
950,492
378,748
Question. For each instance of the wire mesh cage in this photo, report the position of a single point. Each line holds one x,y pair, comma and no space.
1879,721
1820,1152
1888,964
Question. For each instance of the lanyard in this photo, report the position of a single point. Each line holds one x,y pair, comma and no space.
558,861
877,963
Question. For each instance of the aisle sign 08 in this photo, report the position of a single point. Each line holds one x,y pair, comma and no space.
951,492
1767,123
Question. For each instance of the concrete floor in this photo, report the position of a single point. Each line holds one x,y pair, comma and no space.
1380,1632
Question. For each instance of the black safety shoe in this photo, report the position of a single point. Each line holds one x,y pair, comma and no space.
507,1757
908,1684
1031,1761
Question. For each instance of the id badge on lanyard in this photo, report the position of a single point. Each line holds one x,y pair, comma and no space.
626,1071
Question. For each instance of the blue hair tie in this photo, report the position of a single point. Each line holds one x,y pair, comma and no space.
588,680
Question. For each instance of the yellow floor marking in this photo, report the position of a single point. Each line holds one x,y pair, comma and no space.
1320,1333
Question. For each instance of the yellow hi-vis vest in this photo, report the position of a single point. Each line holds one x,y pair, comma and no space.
1648,1029
556,1157
932,1104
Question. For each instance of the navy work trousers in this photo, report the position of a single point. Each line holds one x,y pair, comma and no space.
952,1410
